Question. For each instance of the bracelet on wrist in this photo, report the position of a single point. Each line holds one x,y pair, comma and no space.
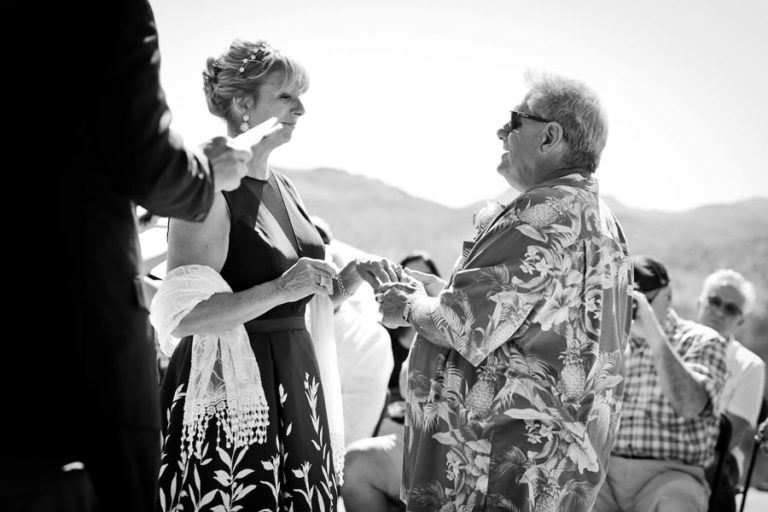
340,284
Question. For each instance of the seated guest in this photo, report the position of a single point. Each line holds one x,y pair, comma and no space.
675,372
373,468
726,299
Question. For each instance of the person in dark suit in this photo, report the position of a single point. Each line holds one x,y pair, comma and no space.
90,141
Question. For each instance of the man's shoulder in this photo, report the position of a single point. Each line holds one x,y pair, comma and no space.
744,357
693,330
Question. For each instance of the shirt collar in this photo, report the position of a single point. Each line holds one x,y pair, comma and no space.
587,182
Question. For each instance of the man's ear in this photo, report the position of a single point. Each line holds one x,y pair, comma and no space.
551,137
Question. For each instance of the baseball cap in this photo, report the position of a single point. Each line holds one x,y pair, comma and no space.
649,273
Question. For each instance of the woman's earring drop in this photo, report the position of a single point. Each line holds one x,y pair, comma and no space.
244,127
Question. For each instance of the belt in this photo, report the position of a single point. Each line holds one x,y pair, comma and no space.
288,323
637,457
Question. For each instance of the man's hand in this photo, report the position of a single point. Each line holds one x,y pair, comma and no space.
395,301
229,157
228,163
646,326
432,284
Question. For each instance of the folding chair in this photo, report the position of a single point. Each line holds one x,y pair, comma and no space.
760,436
720,497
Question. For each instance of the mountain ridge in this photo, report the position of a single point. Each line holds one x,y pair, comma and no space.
382,219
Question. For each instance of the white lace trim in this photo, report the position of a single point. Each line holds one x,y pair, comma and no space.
224,379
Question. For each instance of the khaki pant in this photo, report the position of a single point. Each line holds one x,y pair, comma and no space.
647,485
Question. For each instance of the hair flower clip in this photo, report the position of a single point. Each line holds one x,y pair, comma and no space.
257,54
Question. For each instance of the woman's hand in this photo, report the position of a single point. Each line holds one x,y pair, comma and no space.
378,271
306,277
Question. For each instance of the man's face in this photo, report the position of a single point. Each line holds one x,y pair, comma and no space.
722,308
518,162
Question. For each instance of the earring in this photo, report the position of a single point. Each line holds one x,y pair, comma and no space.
244,127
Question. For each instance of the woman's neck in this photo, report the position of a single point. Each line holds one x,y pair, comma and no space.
258,166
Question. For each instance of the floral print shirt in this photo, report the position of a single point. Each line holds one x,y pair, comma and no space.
522,412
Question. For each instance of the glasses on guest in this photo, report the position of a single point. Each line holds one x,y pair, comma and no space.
729,308
516,120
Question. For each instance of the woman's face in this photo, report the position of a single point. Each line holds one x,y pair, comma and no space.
274,101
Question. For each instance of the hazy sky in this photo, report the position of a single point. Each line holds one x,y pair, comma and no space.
411,92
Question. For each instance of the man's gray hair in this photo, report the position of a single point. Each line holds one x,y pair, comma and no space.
726,276
576,108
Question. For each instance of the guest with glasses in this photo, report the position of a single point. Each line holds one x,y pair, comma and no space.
725,301
515,376
675,373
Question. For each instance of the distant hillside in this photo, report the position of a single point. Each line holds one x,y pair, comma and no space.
382,219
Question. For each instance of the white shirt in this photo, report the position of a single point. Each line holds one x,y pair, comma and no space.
365,363
743,390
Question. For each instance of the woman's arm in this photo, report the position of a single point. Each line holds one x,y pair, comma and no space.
350,281
206,243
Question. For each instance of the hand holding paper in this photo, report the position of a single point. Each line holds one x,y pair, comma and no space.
251,138
229,156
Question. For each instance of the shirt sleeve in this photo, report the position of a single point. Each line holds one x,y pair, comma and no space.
747,393
706,358
510,274
143,159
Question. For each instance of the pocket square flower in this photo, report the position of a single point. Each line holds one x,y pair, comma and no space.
486,214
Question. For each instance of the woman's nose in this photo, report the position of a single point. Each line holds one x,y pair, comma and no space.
299,108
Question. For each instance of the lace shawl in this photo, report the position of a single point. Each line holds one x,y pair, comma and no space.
224,380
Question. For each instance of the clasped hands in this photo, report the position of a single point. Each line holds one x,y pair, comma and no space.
396,288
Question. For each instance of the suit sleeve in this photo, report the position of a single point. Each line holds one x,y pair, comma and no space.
145,161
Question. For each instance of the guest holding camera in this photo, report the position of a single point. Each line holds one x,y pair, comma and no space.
675,372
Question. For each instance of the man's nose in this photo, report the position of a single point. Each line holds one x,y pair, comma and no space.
502,133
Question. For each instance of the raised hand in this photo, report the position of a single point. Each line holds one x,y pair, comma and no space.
307,276
229,156
378,271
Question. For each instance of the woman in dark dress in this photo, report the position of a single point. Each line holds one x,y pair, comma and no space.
260,240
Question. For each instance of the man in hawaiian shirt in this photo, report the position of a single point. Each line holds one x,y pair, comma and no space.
515,377
669,424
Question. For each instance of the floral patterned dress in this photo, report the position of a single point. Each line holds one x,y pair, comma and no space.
521,414
293,470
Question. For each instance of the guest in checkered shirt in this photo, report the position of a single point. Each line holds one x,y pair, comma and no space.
675,372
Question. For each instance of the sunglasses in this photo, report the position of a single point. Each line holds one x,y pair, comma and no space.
729,308
516,121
